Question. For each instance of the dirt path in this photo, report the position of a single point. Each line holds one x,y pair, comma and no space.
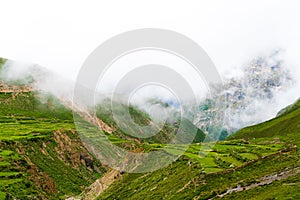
94,190
87,116
266,180
101,184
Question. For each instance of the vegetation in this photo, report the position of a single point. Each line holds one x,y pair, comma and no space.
283,189
141,118
285,127
2,61
243,159
41,155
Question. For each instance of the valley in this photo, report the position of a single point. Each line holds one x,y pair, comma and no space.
45,155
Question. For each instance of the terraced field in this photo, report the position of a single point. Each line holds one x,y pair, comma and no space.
223,155
41,155
20,127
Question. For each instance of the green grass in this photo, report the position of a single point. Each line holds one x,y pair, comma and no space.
26,106
36,129
2,195
33,158
69,180
247,156
49,158
169,181
30,156
10,181
289,108
23,116
283,189
181,181
223,155
141,118
284,126
2,61
229,159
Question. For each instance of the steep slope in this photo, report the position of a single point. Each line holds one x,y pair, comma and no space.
290,108
164,136
286,125
41,155
247,98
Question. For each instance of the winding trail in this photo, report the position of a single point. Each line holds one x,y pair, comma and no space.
266,180
94,190
101,184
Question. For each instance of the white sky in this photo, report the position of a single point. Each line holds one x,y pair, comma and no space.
61,34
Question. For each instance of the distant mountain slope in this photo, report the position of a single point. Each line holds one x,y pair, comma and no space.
2,60
245,99
141,118
287,123
289,108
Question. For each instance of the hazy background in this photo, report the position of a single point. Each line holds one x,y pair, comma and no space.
59,35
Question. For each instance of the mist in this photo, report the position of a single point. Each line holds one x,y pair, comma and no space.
259,101
232,33
40,79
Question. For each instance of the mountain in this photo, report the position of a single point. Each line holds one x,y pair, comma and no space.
245,99
41,155
45,155
286,125
165,135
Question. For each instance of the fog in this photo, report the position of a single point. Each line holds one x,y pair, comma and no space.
255,91
60,35
39,78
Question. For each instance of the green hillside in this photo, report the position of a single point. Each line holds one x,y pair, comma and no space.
164,136
285,126
289,108
245,160
41,155
2,61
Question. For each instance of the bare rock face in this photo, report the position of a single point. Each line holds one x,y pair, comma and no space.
72,151
246,99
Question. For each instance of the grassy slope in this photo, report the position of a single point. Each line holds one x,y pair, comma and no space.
2,61
252,150
143,119
289,108
285,126
35,142
40,153
284,189
29,147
